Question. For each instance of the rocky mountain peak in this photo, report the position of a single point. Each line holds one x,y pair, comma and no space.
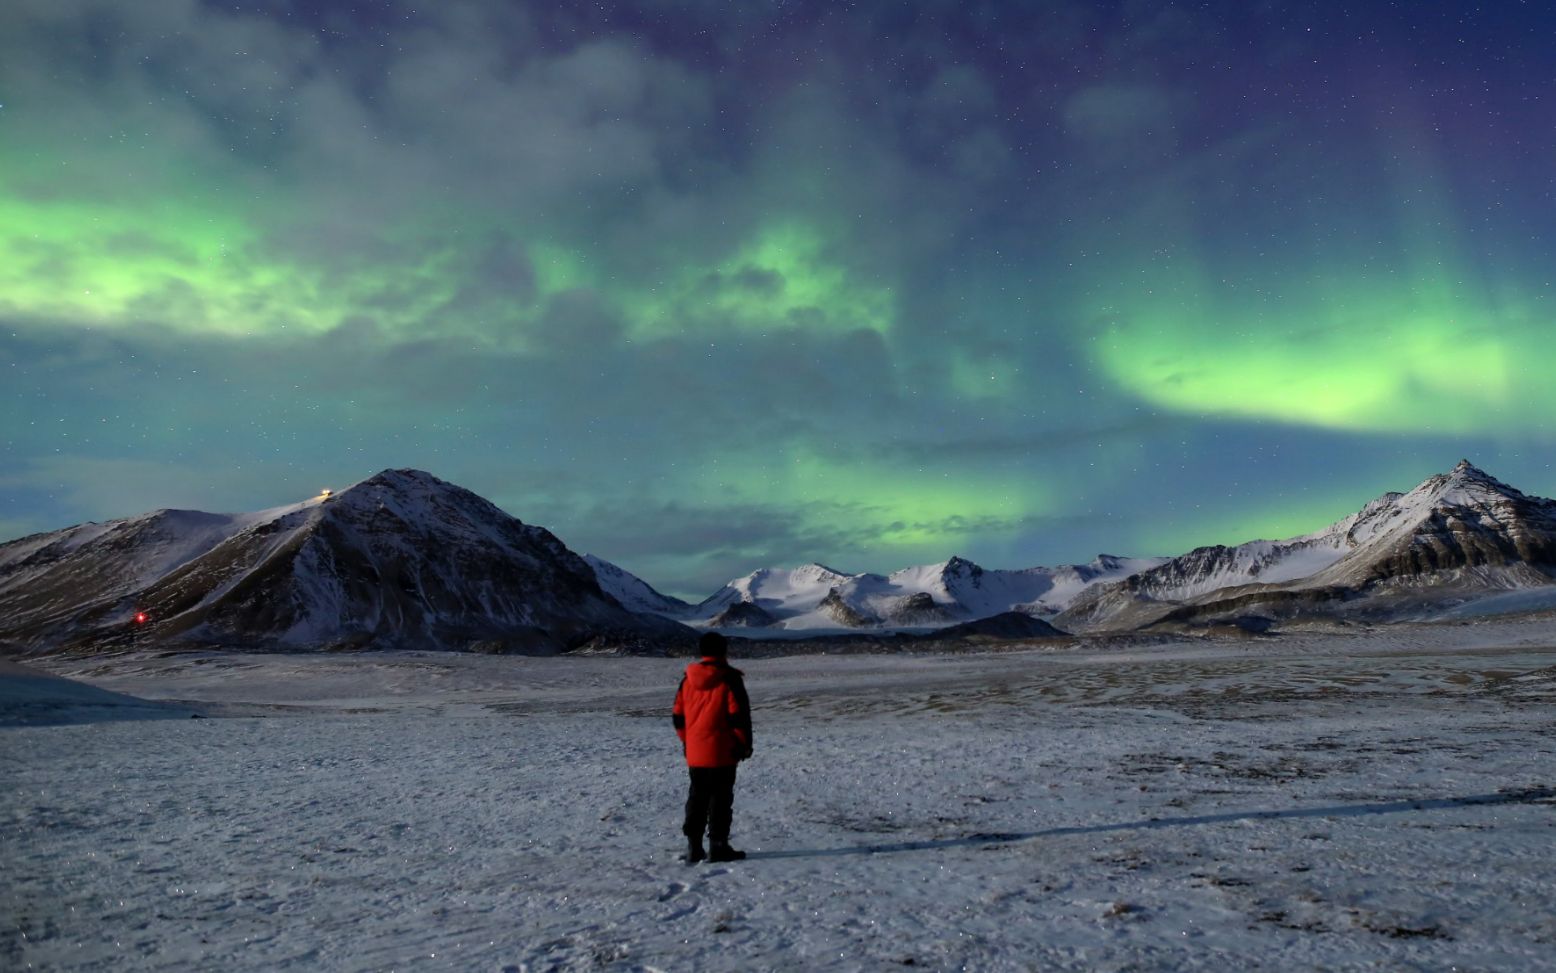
1464,486
1461,530
403,483
418,501
1467,474
959,566
405,475
400,559
816,570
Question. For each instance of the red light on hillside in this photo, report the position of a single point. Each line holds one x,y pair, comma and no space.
140,618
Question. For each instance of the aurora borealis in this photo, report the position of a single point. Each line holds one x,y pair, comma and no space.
708,286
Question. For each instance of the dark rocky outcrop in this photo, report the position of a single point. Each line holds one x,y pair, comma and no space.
743,614
1006,625
845,614
919,608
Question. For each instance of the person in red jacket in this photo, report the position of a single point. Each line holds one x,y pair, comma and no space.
712,716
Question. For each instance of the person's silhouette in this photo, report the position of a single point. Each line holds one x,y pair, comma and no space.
712,716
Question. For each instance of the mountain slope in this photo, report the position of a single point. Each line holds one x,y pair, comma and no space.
1456,533
401,559
779,592
633,592
1460,525
404,559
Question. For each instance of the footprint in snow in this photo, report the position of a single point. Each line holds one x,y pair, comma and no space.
676,888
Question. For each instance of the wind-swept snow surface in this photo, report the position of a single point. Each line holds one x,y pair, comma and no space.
31,697
1382,801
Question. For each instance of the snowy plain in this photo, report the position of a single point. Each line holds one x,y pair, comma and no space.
1377,800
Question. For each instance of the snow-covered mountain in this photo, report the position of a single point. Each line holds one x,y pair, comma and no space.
633,592
817,598
1456,533
779,592
401,559
405,559
1456,527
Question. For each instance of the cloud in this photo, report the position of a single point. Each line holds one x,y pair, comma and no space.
101,488
722,283
1039,446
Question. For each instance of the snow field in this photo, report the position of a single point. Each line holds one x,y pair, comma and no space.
1335,805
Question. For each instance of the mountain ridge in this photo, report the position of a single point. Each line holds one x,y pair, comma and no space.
1113,592
403,559
400,559
1463,530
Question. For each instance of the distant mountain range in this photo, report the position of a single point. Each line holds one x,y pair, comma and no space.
406,560
1459,536
815,598
1456,537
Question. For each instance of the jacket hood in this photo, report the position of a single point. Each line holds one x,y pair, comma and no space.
706,674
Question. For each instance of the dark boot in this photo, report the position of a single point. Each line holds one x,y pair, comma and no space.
720,851
694,852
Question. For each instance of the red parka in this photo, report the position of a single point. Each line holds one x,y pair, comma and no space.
712,714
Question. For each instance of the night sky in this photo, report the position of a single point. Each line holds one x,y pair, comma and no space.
709,286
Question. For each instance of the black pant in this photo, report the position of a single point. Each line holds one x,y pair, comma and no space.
710,803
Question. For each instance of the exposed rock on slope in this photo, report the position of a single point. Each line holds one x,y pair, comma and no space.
1006,625
402,559
1457,533
920,608
1461,525
841,612
742,614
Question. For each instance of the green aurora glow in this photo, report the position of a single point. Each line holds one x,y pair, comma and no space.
701,309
